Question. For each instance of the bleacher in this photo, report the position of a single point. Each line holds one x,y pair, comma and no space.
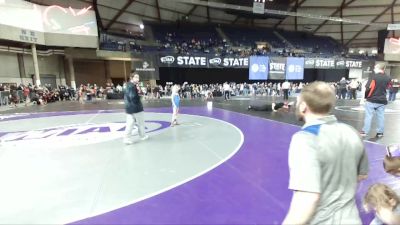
116,43
185,32
194,38
312,43
241,36
187,38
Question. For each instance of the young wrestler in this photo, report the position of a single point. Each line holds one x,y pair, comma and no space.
175,99
275,106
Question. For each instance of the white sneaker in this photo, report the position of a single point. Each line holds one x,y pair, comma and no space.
128,141
144,138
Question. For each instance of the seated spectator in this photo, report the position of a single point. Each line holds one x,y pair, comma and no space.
391,162
385,202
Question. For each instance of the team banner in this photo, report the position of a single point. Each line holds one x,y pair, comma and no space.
294,68
193,61
258,69
147,67
367,69
277,65
321,63
228,62
277,68
309,63
167,61
202,61
354,64
340,64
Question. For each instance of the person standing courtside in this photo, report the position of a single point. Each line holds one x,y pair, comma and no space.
353,89
227,90
326,160
376,100
394,88
133,109
285,89
342,88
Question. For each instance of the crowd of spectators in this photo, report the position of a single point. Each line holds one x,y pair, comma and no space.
172,42
353,88
207,91
12,94
217,47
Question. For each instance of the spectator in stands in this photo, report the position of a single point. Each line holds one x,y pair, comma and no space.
63,92
119,88
89,92
148,91
156,92
14,96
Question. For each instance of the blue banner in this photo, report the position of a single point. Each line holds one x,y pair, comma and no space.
258,68
294,68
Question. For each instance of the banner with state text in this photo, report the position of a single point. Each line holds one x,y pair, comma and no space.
277,65
202,61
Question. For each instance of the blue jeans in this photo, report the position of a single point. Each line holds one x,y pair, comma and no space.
392,96
370,108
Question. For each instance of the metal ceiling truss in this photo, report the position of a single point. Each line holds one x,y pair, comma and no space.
98,18
293,9
158,11
295,6
120,12
340,9
278,12
373,21
178,12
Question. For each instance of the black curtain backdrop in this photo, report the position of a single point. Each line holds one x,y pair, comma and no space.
202,76
333,75
211,76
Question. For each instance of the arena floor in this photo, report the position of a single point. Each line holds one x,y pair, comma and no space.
65,163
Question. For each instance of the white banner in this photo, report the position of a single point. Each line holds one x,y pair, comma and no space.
258,7
395,26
